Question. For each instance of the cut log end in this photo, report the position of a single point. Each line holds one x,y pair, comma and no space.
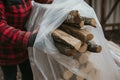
99,48
93,22
75,63
90,37
81,24
75,13
83,48
67,75
94,47
83,59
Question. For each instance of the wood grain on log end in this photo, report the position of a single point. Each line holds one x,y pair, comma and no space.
83,59
93,23
90,37
81,24
67,75
83,48
87,34
99,48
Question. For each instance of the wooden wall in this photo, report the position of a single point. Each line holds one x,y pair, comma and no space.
108,12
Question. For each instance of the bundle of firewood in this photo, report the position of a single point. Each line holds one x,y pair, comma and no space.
71,39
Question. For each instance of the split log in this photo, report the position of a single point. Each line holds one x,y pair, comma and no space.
83,59
76,56
80,78
89,67
89,21
65,49
67,74
65,38
75,63
94,47
81,34
94,74
73,77
73,18
83,48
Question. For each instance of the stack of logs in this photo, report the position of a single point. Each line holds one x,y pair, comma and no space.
82,63
69,38
72,40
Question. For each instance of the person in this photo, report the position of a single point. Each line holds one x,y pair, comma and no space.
14,39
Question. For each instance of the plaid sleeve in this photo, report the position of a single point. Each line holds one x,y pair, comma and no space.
9,33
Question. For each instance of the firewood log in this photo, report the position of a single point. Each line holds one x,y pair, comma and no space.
89,21
94,47
83,48
73,18
73,77
67,74
61,36
80,78
81,34
89,67
75,63
65,49
94,74
83,59
77,55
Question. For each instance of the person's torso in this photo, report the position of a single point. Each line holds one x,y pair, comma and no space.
16,13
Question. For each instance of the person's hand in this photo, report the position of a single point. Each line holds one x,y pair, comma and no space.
32,37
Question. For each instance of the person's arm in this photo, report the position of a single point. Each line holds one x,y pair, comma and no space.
9,33
44,1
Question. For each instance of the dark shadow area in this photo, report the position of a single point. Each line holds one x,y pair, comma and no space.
113,35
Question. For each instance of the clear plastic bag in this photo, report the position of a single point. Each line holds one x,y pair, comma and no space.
53,64
115,52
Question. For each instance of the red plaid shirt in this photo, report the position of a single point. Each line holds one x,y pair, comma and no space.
13,37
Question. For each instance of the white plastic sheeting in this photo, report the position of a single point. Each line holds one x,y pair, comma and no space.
115,52
47,62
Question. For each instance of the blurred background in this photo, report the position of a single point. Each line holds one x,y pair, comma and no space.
108,13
